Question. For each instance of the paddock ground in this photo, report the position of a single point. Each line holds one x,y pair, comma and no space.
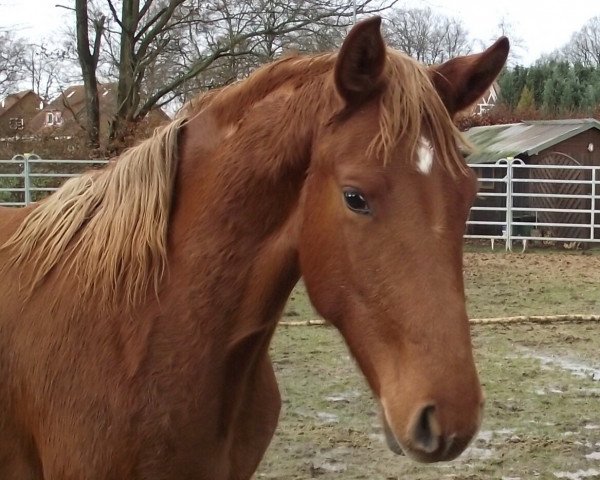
542,382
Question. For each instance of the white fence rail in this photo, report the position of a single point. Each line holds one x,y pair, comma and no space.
25,179
516,202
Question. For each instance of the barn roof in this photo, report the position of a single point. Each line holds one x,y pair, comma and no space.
526,138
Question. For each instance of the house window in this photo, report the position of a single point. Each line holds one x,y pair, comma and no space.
54,118
484,108
16,123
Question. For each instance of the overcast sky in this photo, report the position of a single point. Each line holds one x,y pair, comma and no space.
543,25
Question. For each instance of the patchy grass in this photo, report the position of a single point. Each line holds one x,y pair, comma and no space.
538,283
542,383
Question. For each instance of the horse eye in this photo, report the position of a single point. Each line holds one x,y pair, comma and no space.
356,201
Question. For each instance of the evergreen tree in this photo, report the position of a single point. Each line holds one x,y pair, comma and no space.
509,95
551,85
551,95
536,77
590,99
526,100
520,80
571,94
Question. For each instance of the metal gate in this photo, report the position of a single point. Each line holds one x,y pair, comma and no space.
25,179
556,200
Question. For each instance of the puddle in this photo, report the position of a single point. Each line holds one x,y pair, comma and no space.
303,413
576,368
327,418
475,453
344,397
589,392
541,391
579,474
325,466
328,461
486,436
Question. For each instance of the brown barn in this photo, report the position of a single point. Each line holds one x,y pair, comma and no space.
570,142
16,112
66,113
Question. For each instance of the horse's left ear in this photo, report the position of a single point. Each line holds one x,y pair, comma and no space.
463,80
360,63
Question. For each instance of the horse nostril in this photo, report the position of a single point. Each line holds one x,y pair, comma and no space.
426,431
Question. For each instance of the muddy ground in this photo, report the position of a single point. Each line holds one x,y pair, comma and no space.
542,382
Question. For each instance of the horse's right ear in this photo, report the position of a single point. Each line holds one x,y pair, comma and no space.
462,81
360,63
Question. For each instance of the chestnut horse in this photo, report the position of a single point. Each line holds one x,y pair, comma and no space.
138,302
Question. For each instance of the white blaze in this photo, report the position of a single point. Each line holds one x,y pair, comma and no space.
425,154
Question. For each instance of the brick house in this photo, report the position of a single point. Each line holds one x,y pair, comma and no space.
67,113
17,111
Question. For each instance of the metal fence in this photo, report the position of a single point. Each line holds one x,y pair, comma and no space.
25,179
536,203
516,202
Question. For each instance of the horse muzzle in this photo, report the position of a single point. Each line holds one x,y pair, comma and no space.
425,439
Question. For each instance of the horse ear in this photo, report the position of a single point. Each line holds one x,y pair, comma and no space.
463,80
360,62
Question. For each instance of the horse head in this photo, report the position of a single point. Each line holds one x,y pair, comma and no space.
385,203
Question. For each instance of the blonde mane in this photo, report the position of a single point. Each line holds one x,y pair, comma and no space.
409,105
109,226
411,108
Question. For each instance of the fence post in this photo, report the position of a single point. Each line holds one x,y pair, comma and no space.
25,175
509,203
593,209
508,214
509,162
27,179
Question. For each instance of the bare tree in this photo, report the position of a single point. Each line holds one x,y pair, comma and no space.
262,30
11,70
427,36
88,52
505,28
155,49
584,46
45,69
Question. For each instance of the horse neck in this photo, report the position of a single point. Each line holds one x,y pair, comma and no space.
236,214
